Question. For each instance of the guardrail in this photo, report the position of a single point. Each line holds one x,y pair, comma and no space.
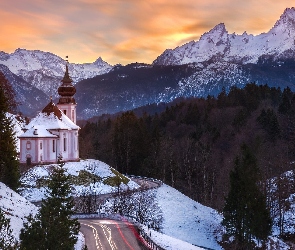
158,182
150,242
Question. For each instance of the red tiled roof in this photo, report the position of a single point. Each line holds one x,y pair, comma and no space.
52,108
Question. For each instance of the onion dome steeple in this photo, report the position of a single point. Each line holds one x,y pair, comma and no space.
66,90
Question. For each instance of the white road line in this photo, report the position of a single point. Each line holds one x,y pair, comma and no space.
108,234
95,235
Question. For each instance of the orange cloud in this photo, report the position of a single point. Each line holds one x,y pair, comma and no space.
129,30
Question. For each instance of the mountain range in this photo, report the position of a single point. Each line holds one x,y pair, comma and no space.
198,68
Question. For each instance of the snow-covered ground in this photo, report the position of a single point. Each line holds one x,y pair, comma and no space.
15,208
170,243
188,220
187,224
32,192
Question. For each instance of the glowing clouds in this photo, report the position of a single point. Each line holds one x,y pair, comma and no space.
126,31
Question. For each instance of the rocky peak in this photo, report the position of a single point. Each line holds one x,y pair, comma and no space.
216,35
219,28
100,62
287,19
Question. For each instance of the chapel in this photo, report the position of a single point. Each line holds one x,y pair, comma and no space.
53,133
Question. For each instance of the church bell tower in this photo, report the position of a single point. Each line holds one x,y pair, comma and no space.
67,102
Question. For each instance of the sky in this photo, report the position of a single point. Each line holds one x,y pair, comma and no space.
125,31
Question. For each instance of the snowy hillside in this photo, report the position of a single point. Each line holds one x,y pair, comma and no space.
15,207
82,175
245,48
188,220
184,219
45,70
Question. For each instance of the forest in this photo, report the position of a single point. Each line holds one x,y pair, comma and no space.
192,144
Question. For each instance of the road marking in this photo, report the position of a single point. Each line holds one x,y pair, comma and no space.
108,234
95,235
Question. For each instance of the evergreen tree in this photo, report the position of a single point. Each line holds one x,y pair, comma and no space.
53,227
245,214
130,143
285,105
9,165
9,94
269,121
7,241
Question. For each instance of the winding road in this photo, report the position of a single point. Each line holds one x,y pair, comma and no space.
105,234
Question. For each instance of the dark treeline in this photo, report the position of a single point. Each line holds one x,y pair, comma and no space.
192,144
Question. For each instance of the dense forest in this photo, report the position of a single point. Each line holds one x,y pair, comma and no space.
193,143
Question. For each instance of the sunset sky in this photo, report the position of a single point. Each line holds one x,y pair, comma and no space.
124,31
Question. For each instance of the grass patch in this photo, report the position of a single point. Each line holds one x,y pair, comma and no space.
116,180
84,178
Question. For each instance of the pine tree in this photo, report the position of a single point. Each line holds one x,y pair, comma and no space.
7,241
245,214
53,227
9,165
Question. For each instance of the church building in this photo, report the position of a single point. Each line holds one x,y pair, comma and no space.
53,133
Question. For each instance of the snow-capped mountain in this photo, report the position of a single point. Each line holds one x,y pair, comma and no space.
198,68
219,45
45,70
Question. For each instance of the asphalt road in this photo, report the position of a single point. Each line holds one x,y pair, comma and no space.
104,234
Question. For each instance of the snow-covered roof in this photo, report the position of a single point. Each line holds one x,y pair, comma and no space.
37,132
51,118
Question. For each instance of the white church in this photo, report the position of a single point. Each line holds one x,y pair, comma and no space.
53,133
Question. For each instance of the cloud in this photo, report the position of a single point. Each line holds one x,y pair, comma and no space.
125,31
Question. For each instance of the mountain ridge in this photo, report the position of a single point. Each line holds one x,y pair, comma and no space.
44,70
232,47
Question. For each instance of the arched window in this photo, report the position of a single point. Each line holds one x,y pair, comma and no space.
28,145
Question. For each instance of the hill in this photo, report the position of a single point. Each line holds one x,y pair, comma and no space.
15,208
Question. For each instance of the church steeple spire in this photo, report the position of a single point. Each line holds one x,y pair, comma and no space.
67,79
66,91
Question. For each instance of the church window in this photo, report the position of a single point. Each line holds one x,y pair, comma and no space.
53,145
40,145
65,144
73,115
28,145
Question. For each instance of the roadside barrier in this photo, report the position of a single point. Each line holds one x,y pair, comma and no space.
150,242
